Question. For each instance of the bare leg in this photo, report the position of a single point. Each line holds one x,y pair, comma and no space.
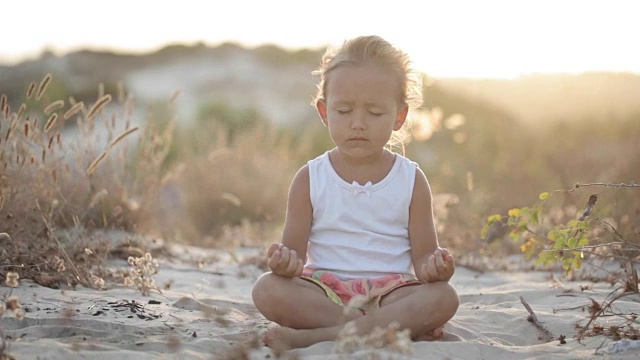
435,334
421,308
296,303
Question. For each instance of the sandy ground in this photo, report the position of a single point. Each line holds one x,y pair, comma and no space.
207,313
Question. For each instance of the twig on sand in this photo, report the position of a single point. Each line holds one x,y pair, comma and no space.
548,336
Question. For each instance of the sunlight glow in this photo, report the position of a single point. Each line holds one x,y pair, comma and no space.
503,39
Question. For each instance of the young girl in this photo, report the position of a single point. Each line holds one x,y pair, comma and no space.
359,222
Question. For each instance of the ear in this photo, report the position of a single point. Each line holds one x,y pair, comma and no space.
321,105
401,117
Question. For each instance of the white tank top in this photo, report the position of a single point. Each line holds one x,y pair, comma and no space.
360,230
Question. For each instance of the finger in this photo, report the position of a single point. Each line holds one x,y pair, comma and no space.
293,263
446,254
286,255
272,249
283,261
450,262
274,260
452,267
440,264
432,271
449,269
421,272
424,272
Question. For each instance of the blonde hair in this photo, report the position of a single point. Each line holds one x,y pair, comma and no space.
374,50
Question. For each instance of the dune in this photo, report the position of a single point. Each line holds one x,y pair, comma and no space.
204,311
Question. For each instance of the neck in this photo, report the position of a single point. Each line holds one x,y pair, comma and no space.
372,159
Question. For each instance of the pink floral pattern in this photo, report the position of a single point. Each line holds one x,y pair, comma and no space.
346,289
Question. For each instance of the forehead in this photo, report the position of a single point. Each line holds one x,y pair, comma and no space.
362,83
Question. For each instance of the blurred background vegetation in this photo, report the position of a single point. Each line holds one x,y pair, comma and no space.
219,176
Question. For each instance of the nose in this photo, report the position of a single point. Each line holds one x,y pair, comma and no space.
358,121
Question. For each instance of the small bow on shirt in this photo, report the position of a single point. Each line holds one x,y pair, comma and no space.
361,189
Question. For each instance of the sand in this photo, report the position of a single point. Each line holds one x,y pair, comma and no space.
207,313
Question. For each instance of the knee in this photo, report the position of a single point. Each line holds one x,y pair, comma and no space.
267,294
261,293
444,298
450,300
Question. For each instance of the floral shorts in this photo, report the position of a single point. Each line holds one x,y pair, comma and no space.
370,291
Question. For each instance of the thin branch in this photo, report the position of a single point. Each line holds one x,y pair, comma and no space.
567,309
586,247
548,336
606,256
22,266
599,347
617,234
621,185
51,234
606,305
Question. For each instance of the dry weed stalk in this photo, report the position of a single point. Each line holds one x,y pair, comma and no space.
355,304
626,252
12,303
98,106
628,328
3,348
390,338
141,274
73,110
43,86
53,107
242,350
51,122
43,189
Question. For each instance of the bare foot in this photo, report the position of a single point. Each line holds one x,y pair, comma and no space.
433,335
284,338
439,334
447,336
276,338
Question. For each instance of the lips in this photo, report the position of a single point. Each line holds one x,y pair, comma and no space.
358,138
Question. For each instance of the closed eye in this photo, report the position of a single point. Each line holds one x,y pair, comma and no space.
342,112
375,113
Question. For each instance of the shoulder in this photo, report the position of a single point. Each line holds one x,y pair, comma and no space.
301,178
421,188
320,158
299,193
406,162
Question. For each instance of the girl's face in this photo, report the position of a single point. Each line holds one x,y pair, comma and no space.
361,108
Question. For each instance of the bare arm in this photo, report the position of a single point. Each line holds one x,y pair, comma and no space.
288,258
297,225
430,262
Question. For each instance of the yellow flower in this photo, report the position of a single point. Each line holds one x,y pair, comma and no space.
514,212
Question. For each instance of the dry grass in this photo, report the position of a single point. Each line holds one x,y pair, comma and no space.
9,305
232,187
141,274
67,169
390,338
48,183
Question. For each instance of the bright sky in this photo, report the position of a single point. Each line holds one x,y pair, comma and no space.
451,38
